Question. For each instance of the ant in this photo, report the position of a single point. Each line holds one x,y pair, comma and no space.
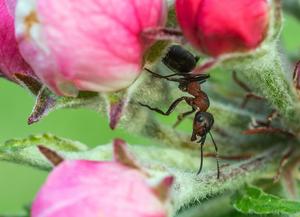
183,62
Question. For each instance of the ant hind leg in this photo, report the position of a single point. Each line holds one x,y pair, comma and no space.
170,109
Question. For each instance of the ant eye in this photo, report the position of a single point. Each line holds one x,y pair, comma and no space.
179,59
201,119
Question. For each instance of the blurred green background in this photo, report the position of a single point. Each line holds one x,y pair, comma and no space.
18,184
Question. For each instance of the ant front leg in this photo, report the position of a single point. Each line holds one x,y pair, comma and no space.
170,109
167,77
201,141
182,116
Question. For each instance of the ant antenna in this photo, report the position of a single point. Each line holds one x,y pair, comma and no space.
217,156
201,157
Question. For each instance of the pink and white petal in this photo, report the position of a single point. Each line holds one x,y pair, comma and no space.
87,45
11,61
34,49
87,188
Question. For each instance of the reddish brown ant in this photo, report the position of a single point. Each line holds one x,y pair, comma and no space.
183,63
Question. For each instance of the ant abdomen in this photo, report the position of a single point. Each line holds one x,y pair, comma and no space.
179,59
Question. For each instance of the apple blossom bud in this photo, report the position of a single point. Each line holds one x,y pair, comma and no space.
86,45
217,27
11,61
118,188
90,188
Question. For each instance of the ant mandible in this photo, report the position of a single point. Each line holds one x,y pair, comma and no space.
183,62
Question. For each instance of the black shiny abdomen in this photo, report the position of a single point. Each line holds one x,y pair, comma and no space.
179,59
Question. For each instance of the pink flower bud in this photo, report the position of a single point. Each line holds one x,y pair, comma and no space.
216,27
106,189
11,61
119,188
86,45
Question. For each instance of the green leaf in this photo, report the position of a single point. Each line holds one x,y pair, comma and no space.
46,102
25,151
253,200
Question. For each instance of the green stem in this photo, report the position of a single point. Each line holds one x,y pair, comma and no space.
266,74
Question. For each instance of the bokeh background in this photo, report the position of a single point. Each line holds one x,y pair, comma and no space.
19,184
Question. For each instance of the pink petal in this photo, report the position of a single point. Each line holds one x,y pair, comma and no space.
217,27
87,188
91,45
11,61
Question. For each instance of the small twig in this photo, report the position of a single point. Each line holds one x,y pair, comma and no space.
296,75
285,158
268,130
289,178
249,94
54,158
244,156
240,83
267,123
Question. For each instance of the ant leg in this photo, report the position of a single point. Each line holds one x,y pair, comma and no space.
170,109
217,156
182,116
187,77
192,77
167,77
201,141
296,75
244,86
163,34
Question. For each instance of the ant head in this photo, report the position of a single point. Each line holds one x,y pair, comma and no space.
203,122
179,59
